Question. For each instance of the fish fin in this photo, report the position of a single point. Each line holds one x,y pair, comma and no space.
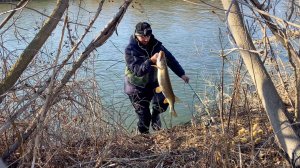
166,101
158,89
174,114
177,99
117,32
157,67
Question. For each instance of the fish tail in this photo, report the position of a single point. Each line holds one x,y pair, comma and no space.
173,112
177,99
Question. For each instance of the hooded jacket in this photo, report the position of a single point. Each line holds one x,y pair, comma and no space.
139,74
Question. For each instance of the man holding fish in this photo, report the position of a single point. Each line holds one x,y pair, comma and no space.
147,78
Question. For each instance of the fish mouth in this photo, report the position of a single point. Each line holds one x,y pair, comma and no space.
161,55
159,58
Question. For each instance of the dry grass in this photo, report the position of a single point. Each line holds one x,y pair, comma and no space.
181,146
76,131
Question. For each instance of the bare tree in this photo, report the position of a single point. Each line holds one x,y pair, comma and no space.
33,48
19,6
49,101
271,101
281,35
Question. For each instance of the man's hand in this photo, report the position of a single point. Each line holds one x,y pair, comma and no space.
154,58
185,78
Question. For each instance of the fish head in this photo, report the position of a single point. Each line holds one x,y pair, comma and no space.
161,60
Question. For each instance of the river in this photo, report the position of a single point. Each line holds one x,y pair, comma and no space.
190,31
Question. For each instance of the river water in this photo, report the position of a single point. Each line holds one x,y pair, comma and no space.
190,31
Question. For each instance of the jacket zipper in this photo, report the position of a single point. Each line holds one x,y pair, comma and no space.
146,50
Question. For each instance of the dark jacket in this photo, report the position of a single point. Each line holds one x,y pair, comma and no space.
139,74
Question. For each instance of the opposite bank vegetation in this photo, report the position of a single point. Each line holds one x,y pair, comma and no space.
50,117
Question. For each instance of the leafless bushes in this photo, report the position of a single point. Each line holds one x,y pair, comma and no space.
51,113
45,106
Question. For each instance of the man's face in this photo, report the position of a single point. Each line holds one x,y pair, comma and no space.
143,39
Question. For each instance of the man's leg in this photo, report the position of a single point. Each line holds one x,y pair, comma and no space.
157,107
141,103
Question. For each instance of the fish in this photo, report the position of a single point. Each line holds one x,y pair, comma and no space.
164,82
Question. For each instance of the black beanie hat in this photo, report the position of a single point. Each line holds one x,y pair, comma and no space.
143,28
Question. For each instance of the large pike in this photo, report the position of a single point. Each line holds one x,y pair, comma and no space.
164,82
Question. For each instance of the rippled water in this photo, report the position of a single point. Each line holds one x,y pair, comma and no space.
189,31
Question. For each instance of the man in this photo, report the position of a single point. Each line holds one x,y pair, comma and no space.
141,78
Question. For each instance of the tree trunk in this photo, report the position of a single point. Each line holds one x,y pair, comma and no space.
281,36
271,101
32,49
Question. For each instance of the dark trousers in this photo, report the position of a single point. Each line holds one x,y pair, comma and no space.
141,103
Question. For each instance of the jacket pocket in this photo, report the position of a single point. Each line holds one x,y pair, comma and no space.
140,81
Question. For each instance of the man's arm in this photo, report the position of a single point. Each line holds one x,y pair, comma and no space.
174,65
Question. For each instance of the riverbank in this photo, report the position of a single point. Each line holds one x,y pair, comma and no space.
182,146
